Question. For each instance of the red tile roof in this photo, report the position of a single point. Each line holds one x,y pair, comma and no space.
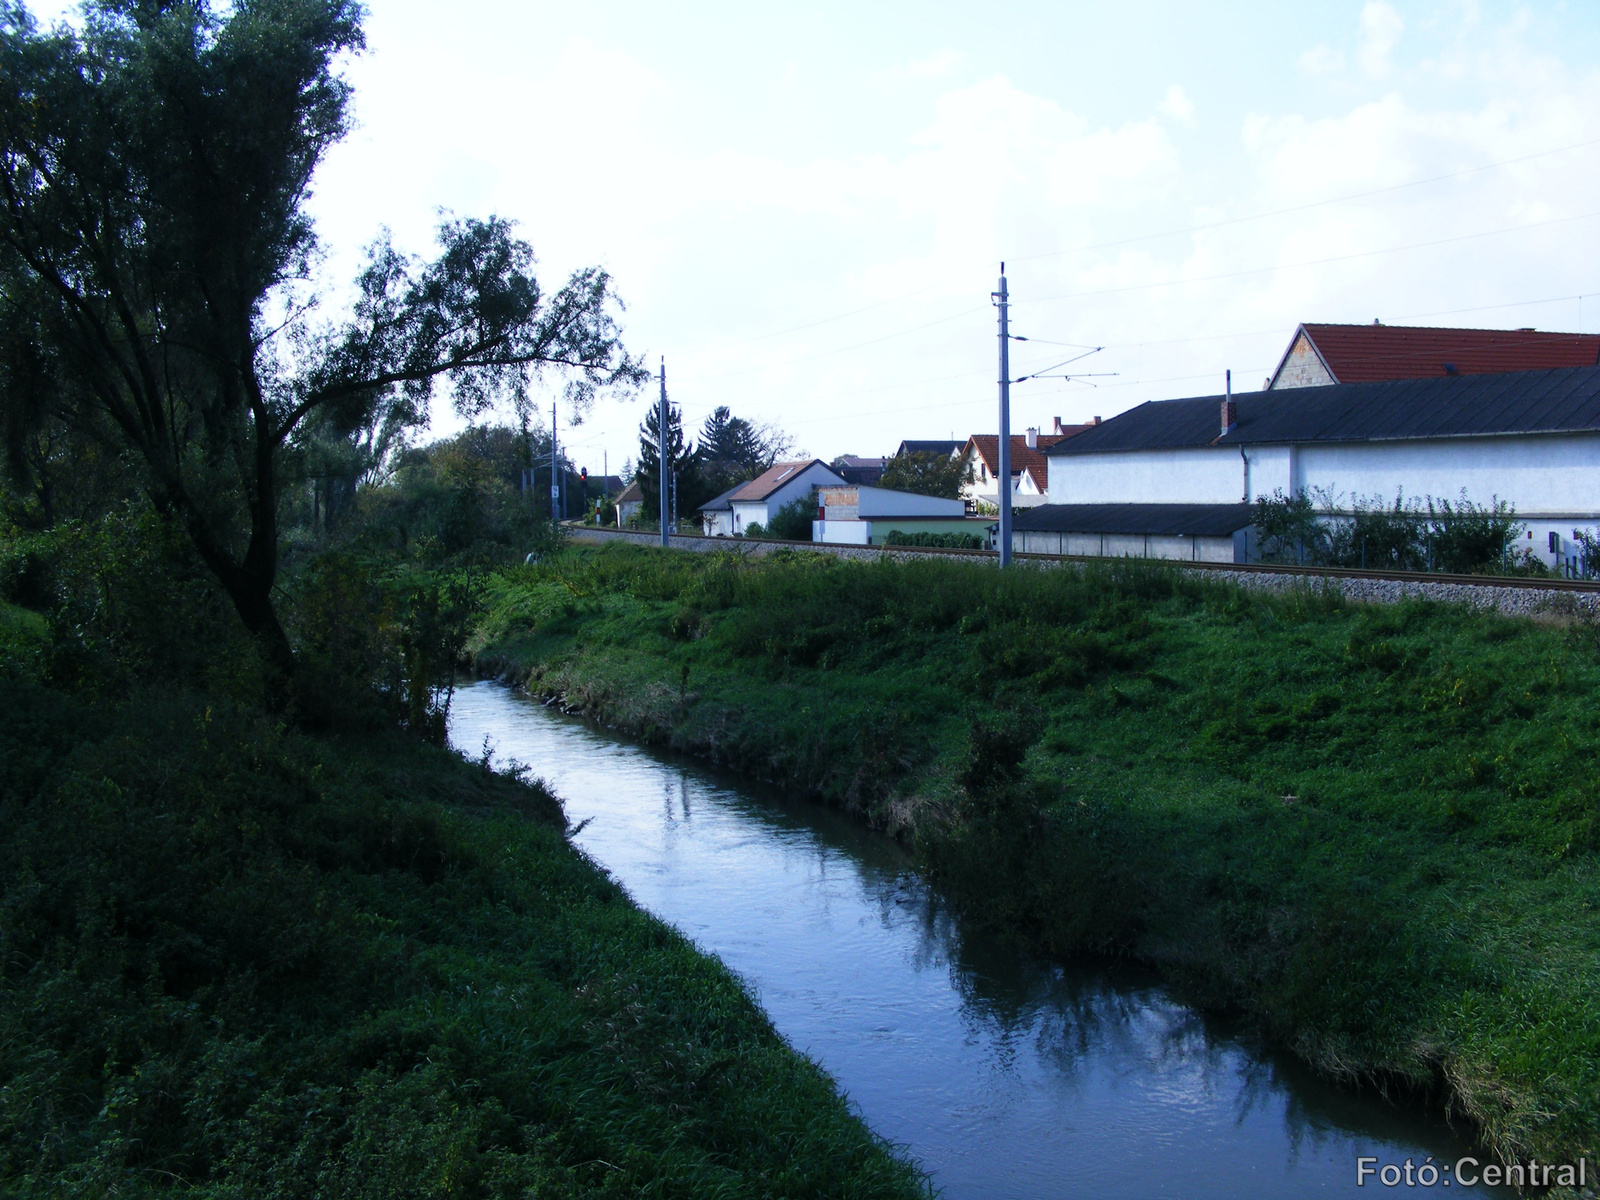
1022,458
1375,353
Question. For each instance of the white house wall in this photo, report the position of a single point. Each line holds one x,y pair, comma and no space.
1195,475
884,502
1555,477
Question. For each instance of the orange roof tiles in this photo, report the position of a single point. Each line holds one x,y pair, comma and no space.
1375,353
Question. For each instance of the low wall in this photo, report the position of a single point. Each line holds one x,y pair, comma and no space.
1511,598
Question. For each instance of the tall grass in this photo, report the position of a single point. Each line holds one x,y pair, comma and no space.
239,961
1375,832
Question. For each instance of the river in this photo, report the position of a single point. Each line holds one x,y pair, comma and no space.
1003,1075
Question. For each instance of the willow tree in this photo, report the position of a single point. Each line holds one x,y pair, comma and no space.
156,258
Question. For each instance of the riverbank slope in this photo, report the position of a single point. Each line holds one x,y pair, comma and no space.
238,960
1374,831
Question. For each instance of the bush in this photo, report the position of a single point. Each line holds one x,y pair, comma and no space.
947,541
239,961
792,522
1406,535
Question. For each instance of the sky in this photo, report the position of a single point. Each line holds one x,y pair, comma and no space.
805,206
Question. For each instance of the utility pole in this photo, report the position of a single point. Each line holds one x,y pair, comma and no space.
555,484
661,439
1004,466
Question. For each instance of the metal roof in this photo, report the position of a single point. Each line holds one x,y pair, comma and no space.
1556,401
721,503
1203,520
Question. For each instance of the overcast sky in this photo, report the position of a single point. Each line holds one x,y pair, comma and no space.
805,206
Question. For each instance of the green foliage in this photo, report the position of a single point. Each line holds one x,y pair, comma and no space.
243,962
1374,831
1475,538
732,450
948,541
682,464
755,529
792,522
1289,530
927,474
1407,535
155,233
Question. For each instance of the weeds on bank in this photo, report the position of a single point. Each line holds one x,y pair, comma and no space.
1376,829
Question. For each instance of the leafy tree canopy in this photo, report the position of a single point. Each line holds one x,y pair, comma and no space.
156,260
927,474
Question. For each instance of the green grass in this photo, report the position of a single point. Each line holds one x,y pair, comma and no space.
237,961
1373,831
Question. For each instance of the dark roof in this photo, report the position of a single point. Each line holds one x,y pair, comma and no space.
1370,353
1563,401
945,448
862,471
722,502
634,491
1204,520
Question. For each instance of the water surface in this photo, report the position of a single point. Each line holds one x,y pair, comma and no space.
1003,1075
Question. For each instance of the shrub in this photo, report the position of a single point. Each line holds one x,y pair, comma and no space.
792,522
947,541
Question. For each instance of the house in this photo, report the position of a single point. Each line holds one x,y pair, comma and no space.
1322,354
948,449
716,515
782,483
865,471
1029,470
629,503
1531,438
866,516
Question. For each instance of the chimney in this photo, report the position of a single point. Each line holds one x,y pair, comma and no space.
1230,410
1058,425
1097,420
1031,438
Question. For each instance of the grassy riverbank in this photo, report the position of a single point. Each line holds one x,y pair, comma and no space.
236,960
1373,830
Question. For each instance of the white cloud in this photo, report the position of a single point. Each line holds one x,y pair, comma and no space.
1380,30
1321,60
940,62
1178,106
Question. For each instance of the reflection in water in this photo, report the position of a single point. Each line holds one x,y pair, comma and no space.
1004,1075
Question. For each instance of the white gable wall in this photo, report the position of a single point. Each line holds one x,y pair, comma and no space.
1302,367
799,484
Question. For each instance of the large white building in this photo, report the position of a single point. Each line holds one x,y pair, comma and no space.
1531,438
